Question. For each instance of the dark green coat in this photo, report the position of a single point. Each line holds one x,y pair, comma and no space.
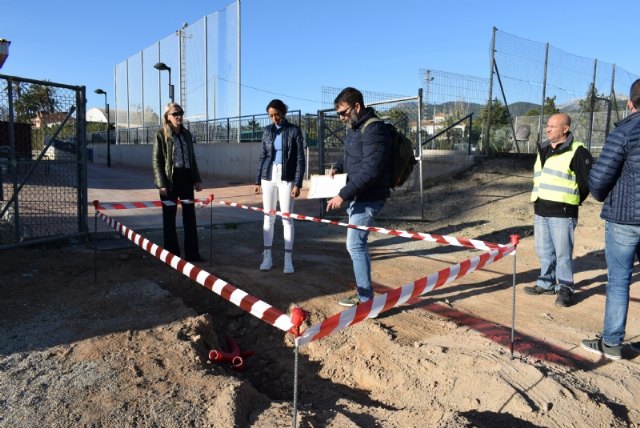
163,159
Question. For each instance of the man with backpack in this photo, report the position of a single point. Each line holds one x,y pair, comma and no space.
367,162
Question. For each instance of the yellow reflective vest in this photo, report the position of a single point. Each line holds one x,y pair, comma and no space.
556,181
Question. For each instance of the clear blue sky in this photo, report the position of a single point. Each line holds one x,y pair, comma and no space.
291,48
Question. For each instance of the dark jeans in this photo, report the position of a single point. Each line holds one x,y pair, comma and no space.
182,189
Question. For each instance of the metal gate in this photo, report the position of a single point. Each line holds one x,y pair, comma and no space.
43,170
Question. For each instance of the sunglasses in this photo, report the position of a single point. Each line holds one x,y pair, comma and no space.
344,112
177,113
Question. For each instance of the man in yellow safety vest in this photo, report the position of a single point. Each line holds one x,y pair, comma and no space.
560,185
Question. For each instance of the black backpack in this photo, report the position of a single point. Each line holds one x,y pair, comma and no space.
402,156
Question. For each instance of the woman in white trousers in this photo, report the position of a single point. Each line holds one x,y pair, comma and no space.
279,178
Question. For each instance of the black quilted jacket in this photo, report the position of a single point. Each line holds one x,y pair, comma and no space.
293,163
367,161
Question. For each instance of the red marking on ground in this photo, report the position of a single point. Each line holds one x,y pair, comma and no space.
499,334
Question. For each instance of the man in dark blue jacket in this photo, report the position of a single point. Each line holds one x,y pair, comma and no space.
367,162
615,179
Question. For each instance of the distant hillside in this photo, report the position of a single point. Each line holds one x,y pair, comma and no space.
520,108
574,106
516,109
411,107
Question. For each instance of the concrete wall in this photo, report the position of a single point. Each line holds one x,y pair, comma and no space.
240,160
226,160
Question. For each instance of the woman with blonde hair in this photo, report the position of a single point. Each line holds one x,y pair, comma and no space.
176,175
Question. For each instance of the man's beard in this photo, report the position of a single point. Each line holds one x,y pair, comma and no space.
353,118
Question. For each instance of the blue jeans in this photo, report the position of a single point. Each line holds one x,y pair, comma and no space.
622,241
361,214
554,246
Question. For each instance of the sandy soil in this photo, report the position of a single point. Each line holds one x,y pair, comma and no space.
123,340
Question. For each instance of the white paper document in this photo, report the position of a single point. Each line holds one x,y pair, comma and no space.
323,186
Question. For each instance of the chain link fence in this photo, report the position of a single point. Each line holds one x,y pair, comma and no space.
529,82
532,80
43,179
406,114
452,105
199,70
243,129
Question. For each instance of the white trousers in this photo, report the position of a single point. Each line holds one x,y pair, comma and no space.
275,191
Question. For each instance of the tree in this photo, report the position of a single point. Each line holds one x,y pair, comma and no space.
548,108
33,99
399,118
499,114
150,116
252,125
251,131
310,129
599,101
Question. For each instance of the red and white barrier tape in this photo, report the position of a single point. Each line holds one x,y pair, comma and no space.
269,314
147,204
398,296
240,298
441,239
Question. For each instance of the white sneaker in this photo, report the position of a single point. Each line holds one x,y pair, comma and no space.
288,263
267,263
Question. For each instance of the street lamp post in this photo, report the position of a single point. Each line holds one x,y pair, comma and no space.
161,66
4,51
106,107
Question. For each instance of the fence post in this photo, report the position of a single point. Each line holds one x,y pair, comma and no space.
506,106
486,142
206,73
469,135
544,92
592,103
612,101
13,166
419,141
320,128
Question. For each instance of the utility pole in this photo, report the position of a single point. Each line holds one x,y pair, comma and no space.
182,36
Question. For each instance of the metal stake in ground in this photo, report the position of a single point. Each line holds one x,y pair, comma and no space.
211,230
298,315
95,246
295,386
515,239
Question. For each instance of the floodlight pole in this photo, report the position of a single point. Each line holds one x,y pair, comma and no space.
161,66
106,108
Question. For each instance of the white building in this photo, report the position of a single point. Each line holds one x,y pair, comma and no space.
98,115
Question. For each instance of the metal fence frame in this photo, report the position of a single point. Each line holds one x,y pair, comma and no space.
44,189
223,130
